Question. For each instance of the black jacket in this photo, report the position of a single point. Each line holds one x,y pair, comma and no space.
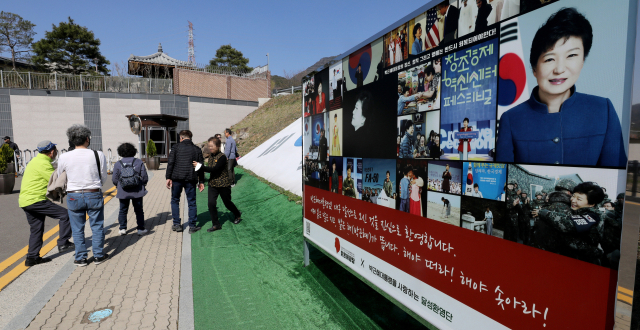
180,163
451,24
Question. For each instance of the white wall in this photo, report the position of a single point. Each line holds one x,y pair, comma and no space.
38,118
115,126
207,119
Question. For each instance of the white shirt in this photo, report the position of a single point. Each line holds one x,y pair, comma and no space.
82,172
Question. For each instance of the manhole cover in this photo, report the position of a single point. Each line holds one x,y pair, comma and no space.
97,315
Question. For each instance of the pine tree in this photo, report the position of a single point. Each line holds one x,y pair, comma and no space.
16,34
70,48
229,57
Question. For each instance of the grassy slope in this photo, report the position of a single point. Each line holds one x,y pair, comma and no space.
268,120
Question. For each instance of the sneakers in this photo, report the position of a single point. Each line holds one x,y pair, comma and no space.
81,263
142,232
102,259
35,261
194,229
68,245
233,185
214,228
176,228
123,232
237,221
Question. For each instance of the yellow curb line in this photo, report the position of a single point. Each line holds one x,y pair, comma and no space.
625,290
21,268
634,203
625,298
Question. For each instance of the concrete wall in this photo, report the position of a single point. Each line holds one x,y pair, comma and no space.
37,118
38,115
115,128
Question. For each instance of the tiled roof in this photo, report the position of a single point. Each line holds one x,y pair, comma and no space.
160,58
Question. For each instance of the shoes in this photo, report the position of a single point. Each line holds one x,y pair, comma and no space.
177,228
194,229
81,263
102,259
233,185
237,221
142,232
123,232
214,228
35,261
66,246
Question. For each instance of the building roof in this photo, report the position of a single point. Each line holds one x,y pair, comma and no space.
160,58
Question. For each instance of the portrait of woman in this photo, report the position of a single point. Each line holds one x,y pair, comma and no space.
559,125
321,105
488,217
415,202
465,128
446,180
335,143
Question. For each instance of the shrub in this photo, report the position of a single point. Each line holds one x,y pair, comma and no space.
6,156
151,149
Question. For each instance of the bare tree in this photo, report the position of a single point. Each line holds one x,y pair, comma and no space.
293,77
16,34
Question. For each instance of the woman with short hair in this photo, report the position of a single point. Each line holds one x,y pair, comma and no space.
219,184
130,176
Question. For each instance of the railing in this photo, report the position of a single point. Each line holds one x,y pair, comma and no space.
286,91
250,74
90,83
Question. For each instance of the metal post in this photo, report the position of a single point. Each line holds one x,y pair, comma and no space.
29,79
55,78
291,89
306,253
1,79
128,85
105,83
81,83
149,85
634,188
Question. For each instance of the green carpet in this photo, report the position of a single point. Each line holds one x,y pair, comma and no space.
251,275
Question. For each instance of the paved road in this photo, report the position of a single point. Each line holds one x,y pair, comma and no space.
15,229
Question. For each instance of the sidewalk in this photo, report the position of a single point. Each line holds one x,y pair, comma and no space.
140,282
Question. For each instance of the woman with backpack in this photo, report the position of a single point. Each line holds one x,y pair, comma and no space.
130,176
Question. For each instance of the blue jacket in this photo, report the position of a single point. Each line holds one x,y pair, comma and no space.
404,188
406,146
230,148
139,167
586,131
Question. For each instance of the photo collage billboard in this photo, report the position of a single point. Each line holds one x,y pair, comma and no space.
492,137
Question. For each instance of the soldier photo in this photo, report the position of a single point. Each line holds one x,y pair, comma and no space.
524,216
544,236
513,206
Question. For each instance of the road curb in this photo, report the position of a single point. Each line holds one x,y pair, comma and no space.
185,305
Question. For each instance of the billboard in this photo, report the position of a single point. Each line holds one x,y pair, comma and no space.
511,123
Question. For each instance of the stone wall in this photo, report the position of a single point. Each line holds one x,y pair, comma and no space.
204,84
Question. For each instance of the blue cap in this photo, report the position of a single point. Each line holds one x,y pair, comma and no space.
45,145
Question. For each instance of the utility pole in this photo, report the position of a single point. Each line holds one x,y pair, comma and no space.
192,52
267,61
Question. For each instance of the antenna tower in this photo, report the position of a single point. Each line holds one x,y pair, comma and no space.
192,52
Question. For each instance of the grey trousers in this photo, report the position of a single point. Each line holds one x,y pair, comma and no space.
36,213
231,163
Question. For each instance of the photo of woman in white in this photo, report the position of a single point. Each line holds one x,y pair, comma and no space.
559,125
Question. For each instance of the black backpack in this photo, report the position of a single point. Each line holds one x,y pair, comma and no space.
128,177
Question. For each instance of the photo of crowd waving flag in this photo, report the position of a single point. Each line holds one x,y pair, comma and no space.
479,144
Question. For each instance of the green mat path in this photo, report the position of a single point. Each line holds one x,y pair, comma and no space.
251,275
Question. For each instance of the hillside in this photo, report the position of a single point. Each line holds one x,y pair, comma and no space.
266,121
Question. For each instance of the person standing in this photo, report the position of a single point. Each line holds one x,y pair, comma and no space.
415,204
405,189
323,148
231,152
334,178
446,178
219,184
180,174
359,76
451,15
488,217
482,18
348,187
86,171
406,146
16,150
130,176
465,128
388,186
36,206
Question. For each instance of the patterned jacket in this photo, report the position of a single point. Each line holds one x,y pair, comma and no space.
217,168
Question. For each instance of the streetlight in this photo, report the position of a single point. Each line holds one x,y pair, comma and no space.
267,61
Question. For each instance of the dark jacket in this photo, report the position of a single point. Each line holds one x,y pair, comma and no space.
482,18
586,131
140,169
180,163
451,24
322,150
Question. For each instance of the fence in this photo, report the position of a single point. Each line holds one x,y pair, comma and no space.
91,83
286,91
257,73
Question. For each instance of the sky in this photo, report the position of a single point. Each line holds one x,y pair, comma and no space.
296,34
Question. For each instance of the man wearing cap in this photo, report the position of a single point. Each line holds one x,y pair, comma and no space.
14,146
35,204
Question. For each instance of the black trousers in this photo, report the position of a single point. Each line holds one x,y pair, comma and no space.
36,213
231,163
225,194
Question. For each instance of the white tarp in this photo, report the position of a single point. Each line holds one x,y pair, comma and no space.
279,159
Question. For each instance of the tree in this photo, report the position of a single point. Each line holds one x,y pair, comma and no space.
70,48
229,57
16,34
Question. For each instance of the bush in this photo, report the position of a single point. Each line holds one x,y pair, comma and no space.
6,156
151,149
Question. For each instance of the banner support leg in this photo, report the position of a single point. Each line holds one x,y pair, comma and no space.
306,253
